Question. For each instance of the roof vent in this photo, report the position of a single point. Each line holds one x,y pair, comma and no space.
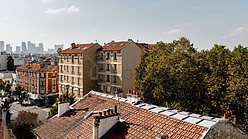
129,40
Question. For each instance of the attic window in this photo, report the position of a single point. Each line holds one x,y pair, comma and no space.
78,47
107,45
85,47
114,45
121,44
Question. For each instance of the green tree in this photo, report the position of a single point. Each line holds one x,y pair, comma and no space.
18,90
170,76
10,63
7,88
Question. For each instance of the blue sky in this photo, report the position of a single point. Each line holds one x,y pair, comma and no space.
204,23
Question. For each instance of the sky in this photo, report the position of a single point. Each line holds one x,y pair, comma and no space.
204,23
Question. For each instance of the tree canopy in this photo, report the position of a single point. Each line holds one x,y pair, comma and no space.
10,63
208,82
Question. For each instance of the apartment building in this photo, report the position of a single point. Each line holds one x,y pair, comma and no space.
77,68
116,66
39,80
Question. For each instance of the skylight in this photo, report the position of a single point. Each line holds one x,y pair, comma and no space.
114,45
78,47
85,47
121,44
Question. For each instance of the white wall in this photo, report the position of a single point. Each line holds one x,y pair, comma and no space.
3,62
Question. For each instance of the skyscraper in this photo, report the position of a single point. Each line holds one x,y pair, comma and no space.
41,49
8,48
18,50
1,46
58,46
24,47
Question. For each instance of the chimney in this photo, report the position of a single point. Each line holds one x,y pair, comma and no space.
73,45
133,96
119,92
103,121
63,107
129,39
230,116
59,50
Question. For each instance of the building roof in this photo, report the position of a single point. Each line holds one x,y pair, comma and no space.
11,135
115,45
141,120
79,48
38,67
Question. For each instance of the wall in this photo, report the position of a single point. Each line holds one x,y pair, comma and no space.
130,60
225,131
3,62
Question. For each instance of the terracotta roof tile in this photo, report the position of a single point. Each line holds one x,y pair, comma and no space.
139,123
115,45
37,67
79,48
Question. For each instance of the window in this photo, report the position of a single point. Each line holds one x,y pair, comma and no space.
64,67
72,58
67,68
108,78
115,68
61,59
101,56
68,58
79,92
108,67
79,82
115,56
79,71
101,68
42,74
62,88
72,69
115,89
101,88
61,78
61,68
108,56
53,74
108,89
72,80
42,83
115,79
67,78
72,89
101,77
79,61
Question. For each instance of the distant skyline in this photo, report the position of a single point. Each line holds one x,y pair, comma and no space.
51,22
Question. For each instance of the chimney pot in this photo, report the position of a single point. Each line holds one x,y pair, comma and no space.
108,112
100,113
104,113
115,110
111,111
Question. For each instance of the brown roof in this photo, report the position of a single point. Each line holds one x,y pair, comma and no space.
37,67
139,123
79,48
49,68
115,45
145,48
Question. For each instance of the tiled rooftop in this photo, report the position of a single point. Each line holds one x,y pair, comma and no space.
37,67
115,45
141,121
79,48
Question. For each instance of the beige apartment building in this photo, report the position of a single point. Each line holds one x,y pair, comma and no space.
116,66
77,68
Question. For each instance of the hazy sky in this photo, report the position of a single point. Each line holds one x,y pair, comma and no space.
83,21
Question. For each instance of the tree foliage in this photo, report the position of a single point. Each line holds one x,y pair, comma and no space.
25,122
10,63
1,86
18,90
209,82
7,88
